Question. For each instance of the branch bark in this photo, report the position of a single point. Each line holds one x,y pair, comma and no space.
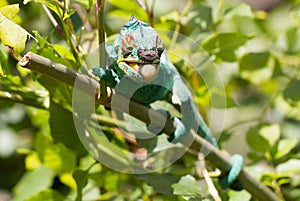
215,156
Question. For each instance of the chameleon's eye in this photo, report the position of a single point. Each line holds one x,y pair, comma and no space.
126,52
129,48
160,50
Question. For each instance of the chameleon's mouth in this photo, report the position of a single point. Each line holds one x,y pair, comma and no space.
145,69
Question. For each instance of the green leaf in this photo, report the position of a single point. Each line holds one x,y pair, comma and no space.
187,186
291,92
162,183
11,34
239,195
81,178
63,129
47,195
1,71
127,10
10,11
263,136
289,41
109,154
53,5
32,182
257,67
223,45
271,133
3,3
285,146
290,167
55,155
239,10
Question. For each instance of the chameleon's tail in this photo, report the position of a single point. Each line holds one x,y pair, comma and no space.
230,179
205,132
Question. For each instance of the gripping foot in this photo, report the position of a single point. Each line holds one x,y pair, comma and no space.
180,131
230,180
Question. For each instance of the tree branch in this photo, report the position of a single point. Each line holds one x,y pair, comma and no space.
212,154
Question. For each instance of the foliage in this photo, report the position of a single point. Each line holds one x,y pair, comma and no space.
255,52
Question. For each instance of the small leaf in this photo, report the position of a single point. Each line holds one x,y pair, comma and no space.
10,11
1,71
81,178
239,195
239,10
291,93
47,195
63,128
162,183
256,141
271,133
223,45
257,67
3,3
289,41
290,167
187,186
11,34
285,146
33,182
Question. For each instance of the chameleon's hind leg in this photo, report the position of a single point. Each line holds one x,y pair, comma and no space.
229,180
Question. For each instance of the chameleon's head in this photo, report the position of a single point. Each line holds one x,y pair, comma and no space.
139,49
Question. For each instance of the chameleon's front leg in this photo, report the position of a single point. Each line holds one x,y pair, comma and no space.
191,119
109,76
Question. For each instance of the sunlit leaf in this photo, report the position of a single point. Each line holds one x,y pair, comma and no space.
290,167
11,34
262,137
1,71
162,183
187,186
291,92
127,10
239,10
10,11
47,195
3,3
289,41
257,67
285,146
224,45
239,195
32,182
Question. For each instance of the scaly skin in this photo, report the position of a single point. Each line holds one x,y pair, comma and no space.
142,69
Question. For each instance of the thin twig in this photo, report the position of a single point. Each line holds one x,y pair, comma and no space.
101,45
17,98
178,22
52,19
137,110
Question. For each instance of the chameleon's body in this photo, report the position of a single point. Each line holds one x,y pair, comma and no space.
141,68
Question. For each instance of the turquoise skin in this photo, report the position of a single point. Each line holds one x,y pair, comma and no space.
141,69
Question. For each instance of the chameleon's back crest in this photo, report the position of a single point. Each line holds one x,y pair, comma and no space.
136,33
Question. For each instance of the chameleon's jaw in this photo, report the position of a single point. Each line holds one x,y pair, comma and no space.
146,70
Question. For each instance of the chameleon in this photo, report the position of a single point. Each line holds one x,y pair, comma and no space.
141,68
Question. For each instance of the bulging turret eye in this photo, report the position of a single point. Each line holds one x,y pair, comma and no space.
160,50
129,48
